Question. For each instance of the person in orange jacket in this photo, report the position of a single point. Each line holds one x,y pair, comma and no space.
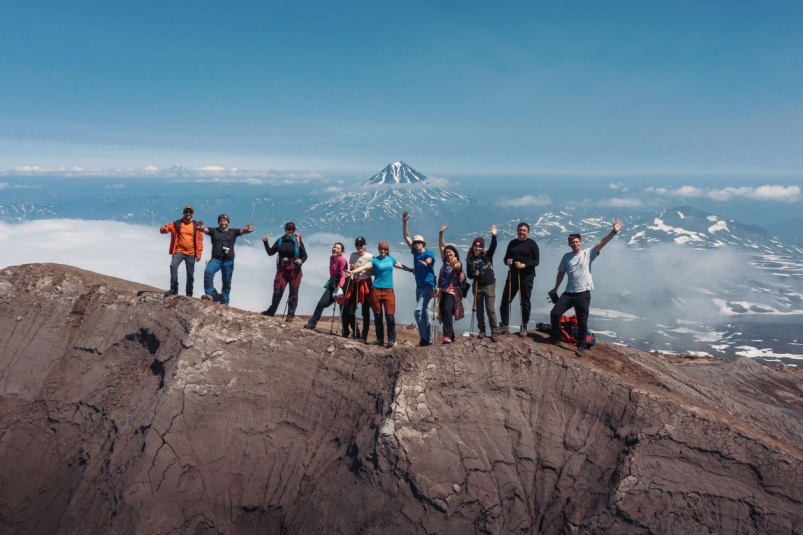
186,245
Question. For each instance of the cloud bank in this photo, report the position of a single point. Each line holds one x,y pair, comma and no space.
788,194
527,200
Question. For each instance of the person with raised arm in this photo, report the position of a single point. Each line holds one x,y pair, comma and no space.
291,254
577,266
337,269
449,288
424,267
521,257
382,296
358,291
222,260
186,245
480,268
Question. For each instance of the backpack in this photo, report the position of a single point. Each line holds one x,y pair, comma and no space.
295,243
568,332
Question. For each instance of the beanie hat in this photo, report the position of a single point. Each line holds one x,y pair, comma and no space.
479,240
223,216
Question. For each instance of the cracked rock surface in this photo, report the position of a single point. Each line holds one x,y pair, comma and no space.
124,411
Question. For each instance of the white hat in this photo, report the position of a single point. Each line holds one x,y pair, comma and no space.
419,237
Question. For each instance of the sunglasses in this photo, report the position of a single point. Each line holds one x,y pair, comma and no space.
289,228
188,212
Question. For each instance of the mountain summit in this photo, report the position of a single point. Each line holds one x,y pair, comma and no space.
396,173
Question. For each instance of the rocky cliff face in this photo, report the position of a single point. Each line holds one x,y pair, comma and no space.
122,411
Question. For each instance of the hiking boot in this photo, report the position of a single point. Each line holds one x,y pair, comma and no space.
580,351
555,341
207,297
493,337
289,319
424,343
503,329
171,292
309,326
523,332
379,343
391,344
266,313
447,340
481,335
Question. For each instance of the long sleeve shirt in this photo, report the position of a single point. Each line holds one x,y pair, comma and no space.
486,269
524,251
286,251
336,268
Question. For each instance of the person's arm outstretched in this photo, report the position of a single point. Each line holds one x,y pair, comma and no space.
408,241
441,242
617,226
360,269
247,230
164,229
399,265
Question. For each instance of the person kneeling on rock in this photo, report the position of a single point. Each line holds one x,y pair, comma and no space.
223,239
577,265
337,267
382,295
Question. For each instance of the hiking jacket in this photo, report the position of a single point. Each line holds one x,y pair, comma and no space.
487,275
174,229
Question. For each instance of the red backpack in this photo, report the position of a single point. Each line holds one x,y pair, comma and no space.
568,332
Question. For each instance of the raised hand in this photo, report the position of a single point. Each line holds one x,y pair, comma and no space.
250,227
265,238
444,227
617,225
493,230
405,216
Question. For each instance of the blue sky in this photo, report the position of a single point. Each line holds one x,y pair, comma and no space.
450,87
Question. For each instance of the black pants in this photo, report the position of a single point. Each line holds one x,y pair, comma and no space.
325,301
350,316
509,292
380,329
292,301
581,302
447,314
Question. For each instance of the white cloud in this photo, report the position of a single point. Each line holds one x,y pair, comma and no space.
74,242
333,189
527,200
267,176
776,193
619,202
116,186
3,185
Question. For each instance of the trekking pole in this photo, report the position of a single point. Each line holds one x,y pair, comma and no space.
473,312
435,321
521,305
286,305
332,326
509,295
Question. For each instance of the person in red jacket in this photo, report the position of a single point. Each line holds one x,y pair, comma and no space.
186,245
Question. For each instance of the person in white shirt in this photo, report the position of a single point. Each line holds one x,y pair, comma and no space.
577,266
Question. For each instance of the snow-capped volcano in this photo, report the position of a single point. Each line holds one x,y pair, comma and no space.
396,173
376,211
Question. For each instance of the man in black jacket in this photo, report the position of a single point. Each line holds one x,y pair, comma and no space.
291,254
521,257
223,238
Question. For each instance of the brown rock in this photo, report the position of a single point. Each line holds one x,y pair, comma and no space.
122,411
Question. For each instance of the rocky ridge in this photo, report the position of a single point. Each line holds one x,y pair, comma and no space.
122,411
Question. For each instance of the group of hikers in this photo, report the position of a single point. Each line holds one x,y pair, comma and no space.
364,282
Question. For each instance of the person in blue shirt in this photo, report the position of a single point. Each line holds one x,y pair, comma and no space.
424,266
382,295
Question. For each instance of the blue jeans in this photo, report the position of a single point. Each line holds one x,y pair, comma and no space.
189,263
423,295
226,269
